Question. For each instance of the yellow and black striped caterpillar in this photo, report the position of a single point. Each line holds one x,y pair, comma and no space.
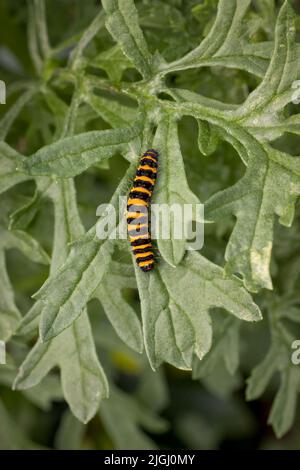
138,210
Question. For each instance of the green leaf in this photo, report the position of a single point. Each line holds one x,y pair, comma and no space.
225,349
262,107
42,395
224,45
216,114
119,312
30,321
265,50
9,313
284,407
281,72
70,156
268,11
269,188
271,184
113,61
66,293
113,112
8,119
261,375
246,69
73,284
153,390
39,10
70,433
86,38
171,187
278,358
23,242
83,380
207,138
122,23
176,325
9,161
129,415
23,216
57,107
33,45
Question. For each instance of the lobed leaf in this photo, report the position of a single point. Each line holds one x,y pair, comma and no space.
119,312
176,324
270,187
83,380
113,61
171,187
72,155
225,44
122,23
66,293
277,359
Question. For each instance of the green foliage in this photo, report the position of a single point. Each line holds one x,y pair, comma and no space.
86,107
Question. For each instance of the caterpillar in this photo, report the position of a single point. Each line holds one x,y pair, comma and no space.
137,210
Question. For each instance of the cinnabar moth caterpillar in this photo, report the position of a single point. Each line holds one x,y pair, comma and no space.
138,210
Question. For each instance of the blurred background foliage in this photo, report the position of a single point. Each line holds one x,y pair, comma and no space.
166,409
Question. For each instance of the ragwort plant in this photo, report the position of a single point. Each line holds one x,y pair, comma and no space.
125,83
